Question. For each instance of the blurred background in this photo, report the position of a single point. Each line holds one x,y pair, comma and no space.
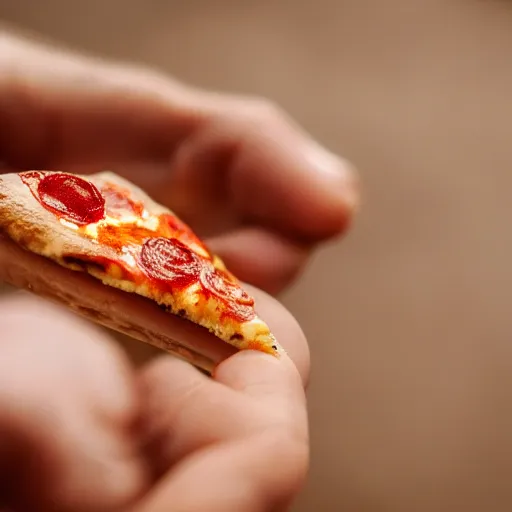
408,318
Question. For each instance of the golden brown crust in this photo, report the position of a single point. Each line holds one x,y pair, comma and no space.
34,228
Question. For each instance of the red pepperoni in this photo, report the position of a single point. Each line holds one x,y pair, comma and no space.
239,312
70,197
219,283
169,261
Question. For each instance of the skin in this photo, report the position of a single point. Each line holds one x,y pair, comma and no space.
85,431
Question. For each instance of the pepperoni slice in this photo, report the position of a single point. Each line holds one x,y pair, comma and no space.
237,303
239,313
70,197
169,261
220,284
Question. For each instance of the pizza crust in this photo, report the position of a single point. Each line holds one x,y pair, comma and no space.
55,259
124,312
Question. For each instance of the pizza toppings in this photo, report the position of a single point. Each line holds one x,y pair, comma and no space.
118,202
238,312
236,301
131,243
169,261
170,254
70,197
217,283
121,237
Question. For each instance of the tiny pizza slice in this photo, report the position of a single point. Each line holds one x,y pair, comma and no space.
103,247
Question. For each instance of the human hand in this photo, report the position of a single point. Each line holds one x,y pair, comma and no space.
81,430
237,169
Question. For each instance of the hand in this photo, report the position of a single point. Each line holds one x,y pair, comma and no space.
237,169
80,430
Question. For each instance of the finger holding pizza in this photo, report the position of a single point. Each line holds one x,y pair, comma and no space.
262,190
82,431
237,169
95,154
102,247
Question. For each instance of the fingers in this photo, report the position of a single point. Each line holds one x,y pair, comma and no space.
266,260
256,474
249,173
248,155
67,404
246,448
185,411
221,162
252,393
282,178
263,377
243,153
70,111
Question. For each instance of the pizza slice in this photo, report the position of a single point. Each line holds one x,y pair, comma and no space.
103,247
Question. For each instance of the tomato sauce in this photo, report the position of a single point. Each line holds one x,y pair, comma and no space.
169,261
165,254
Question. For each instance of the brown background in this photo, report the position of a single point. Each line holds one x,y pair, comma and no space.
411,398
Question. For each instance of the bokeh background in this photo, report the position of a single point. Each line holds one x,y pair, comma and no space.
409,318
